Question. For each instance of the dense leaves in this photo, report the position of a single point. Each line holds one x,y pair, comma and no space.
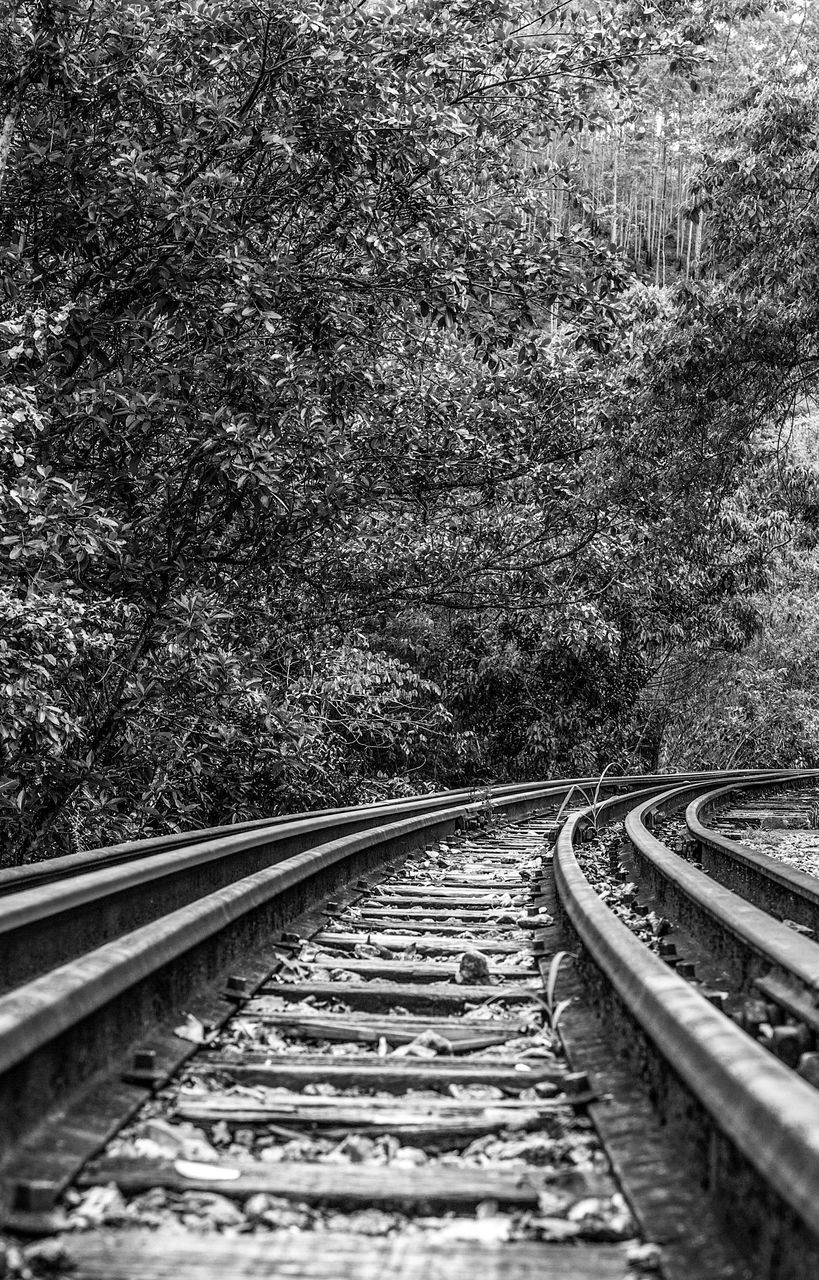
332,461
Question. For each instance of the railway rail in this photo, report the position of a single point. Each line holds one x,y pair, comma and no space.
341,1041
781,887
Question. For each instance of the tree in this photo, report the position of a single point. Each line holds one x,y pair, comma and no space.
744,355
235,239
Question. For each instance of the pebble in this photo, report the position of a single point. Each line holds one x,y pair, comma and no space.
799,849
473,969
99,1205
603,1218
48,1257
644,1257
410,1156
215,1210
257,1206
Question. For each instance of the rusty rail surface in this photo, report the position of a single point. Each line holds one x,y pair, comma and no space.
31,875
99,957
121,948
752,1120
768,883
755,943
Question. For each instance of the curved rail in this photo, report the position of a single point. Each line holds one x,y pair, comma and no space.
768,883
31,875
745,1092
764,943
13,879
95,897
180,920
47,924
60,1027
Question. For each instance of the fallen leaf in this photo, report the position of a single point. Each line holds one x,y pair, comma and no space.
799,928
553,1202
603,1218
99,1205
198,1172
175,1141
644,1257
413,1050
192,1029
555,1229
488,1230
425,1045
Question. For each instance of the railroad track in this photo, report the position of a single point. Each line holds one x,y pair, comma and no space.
764,845
338,1043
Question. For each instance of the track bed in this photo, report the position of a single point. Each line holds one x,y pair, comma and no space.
409,1073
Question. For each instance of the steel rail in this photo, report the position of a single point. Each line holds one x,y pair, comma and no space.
45,1007
46,923
769,883
30,875
757,942
13,879
757,1106
60,1028
44,926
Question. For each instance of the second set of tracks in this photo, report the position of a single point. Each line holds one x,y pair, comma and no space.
343,1045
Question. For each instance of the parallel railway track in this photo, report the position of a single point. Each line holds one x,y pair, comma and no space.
758,950
289,827
768,882
416,1010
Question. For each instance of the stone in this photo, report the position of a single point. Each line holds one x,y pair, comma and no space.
473,969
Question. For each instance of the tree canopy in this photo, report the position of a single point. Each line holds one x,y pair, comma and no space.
343,448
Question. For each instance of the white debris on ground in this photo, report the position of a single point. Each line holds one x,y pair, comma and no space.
561,1161
799,849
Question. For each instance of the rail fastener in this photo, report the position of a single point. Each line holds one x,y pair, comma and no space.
237,987
144,1070
576,1082
33,1195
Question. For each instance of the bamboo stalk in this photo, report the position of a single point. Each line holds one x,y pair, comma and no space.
614,191
7,137
698,247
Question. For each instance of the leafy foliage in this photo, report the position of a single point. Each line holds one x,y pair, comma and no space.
332,461
760,707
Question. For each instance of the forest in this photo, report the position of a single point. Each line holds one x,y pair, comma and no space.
400,394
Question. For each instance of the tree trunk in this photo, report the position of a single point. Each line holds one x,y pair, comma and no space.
7,138
17,93
698,245
52,809
614,192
